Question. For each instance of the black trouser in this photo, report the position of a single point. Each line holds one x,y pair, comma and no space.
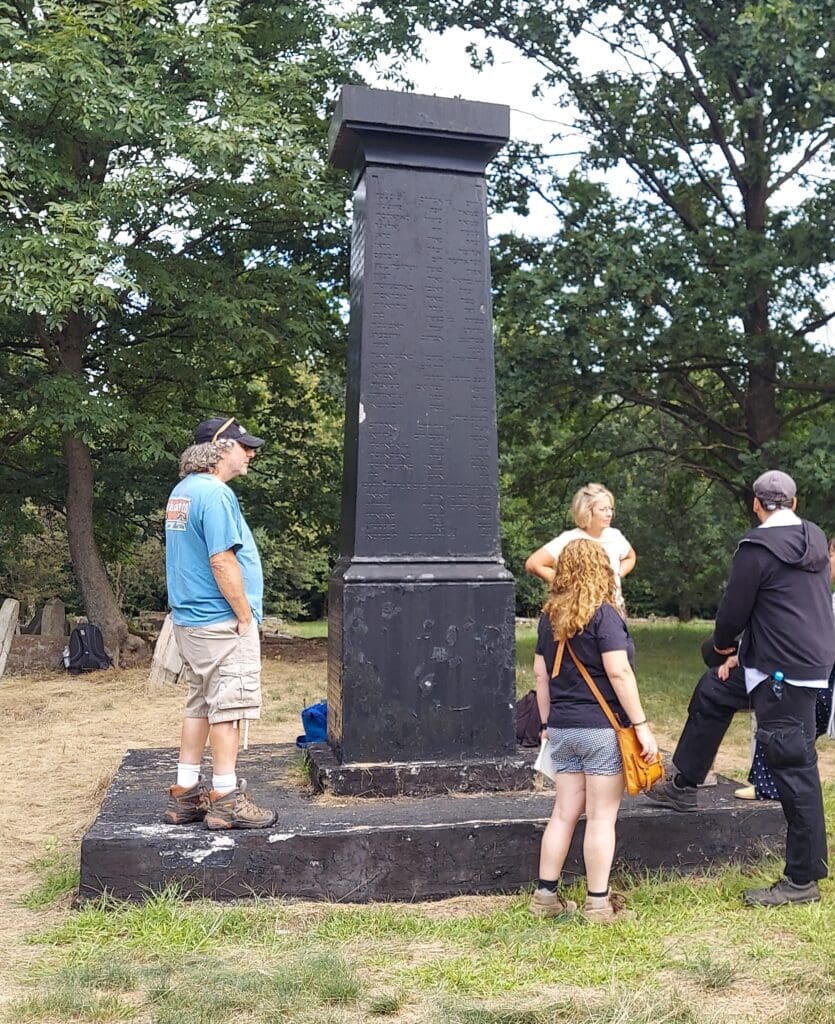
786,729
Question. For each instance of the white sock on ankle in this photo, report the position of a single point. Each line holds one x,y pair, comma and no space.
187,775
224,783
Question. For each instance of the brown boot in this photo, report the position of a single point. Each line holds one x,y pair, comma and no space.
545,903
607,909
186,804
236,810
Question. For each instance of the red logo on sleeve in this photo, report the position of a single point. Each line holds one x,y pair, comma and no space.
176,513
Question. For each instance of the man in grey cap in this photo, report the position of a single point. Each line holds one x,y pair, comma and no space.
215,591
778,598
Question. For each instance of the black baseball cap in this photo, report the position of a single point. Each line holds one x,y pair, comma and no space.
226,430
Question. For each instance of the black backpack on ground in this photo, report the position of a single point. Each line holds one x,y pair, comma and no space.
527,720
85,651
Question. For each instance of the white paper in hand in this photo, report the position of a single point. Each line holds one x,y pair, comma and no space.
543,763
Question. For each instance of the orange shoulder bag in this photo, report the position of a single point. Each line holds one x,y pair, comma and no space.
638,775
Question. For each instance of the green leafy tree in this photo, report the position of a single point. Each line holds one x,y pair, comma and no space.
170,237
689,273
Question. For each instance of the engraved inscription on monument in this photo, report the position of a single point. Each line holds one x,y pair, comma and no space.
427,417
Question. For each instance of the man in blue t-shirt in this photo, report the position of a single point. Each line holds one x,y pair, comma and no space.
215,591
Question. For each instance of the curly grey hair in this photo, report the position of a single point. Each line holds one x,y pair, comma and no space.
203,458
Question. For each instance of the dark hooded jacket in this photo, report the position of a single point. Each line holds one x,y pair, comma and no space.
778,596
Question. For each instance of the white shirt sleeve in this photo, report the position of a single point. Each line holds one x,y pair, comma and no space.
554,547
623,546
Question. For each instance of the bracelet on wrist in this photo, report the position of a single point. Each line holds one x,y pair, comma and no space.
644,722
543,725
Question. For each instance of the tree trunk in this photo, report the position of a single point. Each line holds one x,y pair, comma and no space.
99,600
761,414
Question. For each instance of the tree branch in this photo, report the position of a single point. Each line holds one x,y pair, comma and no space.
704,102
809,153
803,410
686,413
813,325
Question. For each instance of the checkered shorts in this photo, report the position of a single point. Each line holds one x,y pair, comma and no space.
590,751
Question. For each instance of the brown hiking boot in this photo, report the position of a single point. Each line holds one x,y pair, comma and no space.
186,804
607,909
669,795
545,903
236,810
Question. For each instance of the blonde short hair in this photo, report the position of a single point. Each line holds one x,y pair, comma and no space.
584,500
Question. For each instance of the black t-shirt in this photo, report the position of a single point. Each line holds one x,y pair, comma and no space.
572,702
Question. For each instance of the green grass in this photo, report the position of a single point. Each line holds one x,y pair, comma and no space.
317,628
67,1004
693,948
59,878
384,1005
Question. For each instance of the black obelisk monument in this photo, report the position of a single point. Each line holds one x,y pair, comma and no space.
421,619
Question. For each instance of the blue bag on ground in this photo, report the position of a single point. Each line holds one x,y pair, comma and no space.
315,724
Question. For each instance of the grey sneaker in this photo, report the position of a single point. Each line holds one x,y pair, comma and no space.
669,795
236,810
607,909
545,903
781,893
186,804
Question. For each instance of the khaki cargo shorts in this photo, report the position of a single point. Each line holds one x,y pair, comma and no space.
222,669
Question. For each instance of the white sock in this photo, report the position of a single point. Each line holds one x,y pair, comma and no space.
224,784
187,775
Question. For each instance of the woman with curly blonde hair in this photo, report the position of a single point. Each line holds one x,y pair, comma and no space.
584,749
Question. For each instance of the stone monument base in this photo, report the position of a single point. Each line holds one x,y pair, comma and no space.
417,778
392,848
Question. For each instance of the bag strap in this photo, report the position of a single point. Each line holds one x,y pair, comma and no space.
581,668
558,659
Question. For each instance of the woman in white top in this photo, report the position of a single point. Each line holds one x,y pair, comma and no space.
592,508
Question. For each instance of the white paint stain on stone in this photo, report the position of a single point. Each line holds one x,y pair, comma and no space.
217,843
280,837
152,830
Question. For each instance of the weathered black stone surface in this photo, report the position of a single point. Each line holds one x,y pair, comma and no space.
417,778
421,627
373,126
395,848
420,668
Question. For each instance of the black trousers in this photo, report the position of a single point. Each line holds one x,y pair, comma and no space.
786,730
